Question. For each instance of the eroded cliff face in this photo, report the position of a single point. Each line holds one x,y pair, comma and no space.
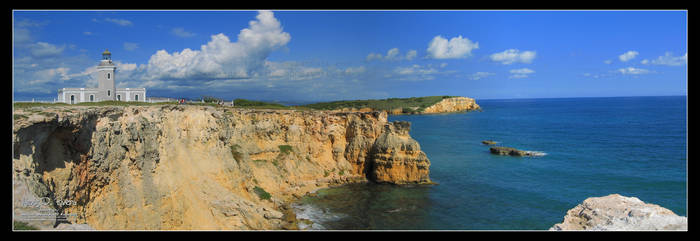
194,167
454,104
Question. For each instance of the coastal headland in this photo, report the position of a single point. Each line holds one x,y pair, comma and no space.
198,167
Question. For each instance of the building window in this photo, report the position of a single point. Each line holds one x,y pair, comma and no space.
72,99
119,97
92,98
107,75
108,93
136,97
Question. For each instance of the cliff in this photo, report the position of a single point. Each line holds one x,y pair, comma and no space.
620,213
454,104
197,167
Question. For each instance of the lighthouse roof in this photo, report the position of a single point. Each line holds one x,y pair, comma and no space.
106,52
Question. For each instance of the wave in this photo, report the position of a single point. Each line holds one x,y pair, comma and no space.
536,153
317,216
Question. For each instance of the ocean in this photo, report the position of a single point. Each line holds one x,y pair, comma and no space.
590,147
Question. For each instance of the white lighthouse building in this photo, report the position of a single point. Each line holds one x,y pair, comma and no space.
106,88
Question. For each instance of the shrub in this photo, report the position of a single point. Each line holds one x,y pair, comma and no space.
262,194
285,149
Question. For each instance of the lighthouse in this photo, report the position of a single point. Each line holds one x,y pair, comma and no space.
105,77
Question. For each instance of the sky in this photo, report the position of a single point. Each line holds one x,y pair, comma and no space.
308,56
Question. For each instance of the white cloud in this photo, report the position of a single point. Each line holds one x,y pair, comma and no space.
392,54
373,56
130,46
514,56
220,58
607,61
180,32
457,47
411,54
645,61
670,60
355,70
120,22
42,49
628,56
632,70
480,75
520,73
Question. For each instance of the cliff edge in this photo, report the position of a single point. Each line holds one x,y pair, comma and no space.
177,167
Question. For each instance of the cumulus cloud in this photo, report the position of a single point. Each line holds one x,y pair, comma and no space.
411,54
520,73
514,56
607,61
221,58
628,56
457,47
633,71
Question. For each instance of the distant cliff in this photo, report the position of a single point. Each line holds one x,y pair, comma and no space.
199,167
619,213
403,106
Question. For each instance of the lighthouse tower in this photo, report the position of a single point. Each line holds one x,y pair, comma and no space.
105,77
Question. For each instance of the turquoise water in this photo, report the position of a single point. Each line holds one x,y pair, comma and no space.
633,146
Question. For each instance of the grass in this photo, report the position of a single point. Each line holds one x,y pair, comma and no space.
258,104
262,194
18,225
407,105
285,149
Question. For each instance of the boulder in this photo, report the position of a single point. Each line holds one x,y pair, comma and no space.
620,213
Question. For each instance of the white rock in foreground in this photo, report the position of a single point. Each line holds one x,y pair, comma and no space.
620,213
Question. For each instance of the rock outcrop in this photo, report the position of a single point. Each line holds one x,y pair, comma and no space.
398,158
175,167
620,213
454,104
508,151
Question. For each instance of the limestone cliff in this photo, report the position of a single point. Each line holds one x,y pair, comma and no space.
454,104
616,212
202,168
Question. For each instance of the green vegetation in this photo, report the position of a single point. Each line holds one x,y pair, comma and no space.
341,172
18,225
285,149
262,194
407,105
326,173
259,161
258,104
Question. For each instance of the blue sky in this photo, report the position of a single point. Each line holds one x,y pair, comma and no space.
335,55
